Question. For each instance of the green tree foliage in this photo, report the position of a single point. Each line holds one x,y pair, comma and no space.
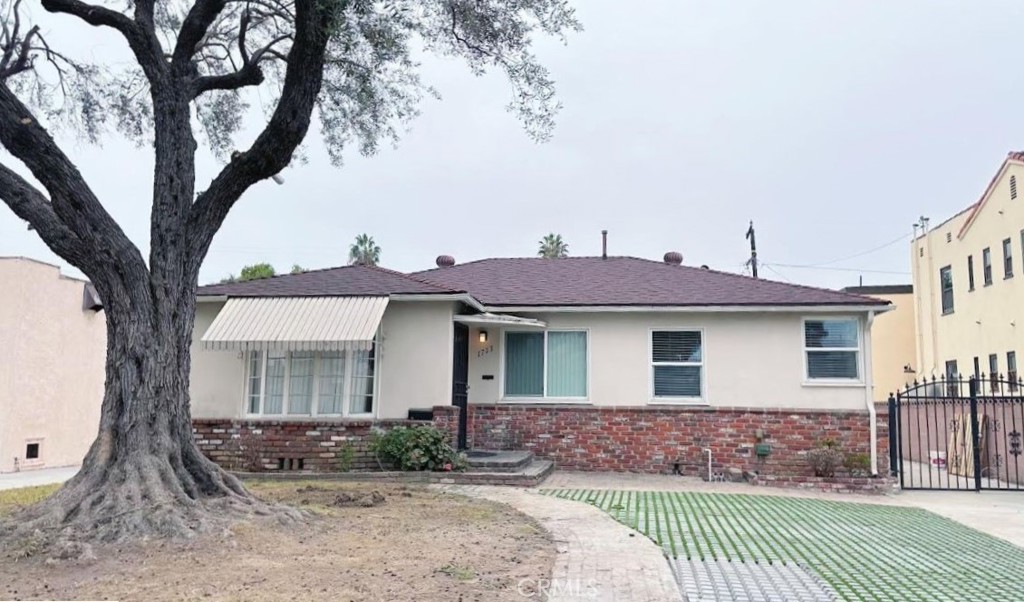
553,247
364,251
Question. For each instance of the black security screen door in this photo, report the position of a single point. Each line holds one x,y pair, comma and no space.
460,379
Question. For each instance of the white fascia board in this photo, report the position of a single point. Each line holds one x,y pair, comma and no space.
463,297
805,309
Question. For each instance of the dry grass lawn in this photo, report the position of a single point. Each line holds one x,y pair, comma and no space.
416,544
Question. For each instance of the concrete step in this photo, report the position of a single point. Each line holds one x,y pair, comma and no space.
530,476
498,461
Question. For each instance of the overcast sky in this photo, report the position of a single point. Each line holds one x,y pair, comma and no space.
833,125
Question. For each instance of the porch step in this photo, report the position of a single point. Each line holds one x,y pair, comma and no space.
531,475
482,460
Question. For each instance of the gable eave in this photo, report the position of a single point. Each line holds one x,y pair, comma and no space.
987,194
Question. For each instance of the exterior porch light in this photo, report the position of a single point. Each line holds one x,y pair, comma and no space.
483,335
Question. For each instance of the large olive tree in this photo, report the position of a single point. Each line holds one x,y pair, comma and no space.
193,65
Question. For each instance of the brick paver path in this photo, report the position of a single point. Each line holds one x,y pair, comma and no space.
598,558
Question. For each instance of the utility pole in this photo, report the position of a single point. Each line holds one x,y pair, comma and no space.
753,249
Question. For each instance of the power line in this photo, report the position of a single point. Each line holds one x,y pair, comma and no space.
776,272
818,267
862,253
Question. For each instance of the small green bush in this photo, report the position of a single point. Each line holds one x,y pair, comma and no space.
417,448
825,460
858,464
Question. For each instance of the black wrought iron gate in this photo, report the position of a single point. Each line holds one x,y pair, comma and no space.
956,433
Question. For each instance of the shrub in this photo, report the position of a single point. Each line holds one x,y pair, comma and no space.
417,448
858,464
825,460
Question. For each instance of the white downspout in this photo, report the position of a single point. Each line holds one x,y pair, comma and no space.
869,394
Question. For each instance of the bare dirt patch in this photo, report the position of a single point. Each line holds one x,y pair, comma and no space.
360,542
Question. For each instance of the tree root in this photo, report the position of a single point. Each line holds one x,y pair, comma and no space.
137,500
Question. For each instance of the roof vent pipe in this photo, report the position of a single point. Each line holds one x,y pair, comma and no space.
673,258
604,244
444,261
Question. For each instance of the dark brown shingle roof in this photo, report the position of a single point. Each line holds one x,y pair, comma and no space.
593,281
347,281
880,289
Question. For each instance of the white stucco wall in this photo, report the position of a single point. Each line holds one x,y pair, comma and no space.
416,357
51,366
750,360
413,362
218,377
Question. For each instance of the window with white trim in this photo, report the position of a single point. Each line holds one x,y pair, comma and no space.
547,364
308,383
832,349
677,364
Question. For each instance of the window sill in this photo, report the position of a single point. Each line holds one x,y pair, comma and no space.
848,383
678,401
309,418
948,312
1008,277
545,400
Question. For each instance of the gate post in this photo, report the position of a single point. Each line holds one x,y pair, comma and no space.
893,435
975,435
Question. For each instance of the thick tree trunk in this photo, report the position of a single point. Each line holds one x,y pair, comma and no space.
144,475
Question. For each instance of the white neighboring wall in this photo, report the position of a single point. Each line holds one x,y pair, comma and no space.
414,363
52,355
751,360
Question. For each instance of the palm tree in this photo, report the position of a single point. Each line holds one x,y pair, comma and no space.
363,251
553,247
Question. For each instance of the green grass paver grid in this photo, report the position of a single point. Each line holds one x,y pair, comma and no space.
866,552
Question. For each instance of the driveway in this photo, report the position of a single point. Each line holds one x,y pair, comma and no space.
32,478
731,542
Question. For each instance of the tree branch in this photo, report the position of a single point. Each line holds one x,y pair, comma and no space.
30,205
273,148
199,19
71,199
141,36
249,74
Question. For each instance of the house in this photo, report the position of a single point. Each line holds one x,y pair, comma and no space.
967,274
610,363
893,338
51,366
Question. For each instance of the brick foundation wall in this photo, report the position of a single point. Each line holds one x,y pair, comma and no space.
655,439
321,445
446,418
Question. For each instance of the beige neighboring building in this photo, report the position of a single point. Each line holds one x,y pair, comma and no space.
893,336
969,282
51,366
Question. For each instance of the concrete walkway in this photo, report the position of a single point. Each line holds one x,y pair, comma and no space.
998,513
598,557
32,478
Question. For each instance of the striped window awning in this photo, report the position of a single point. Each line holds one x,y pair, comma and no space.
296,324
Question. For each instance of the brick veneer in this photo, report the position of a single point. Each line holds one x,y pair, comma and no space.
446,418
321,445
656,439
